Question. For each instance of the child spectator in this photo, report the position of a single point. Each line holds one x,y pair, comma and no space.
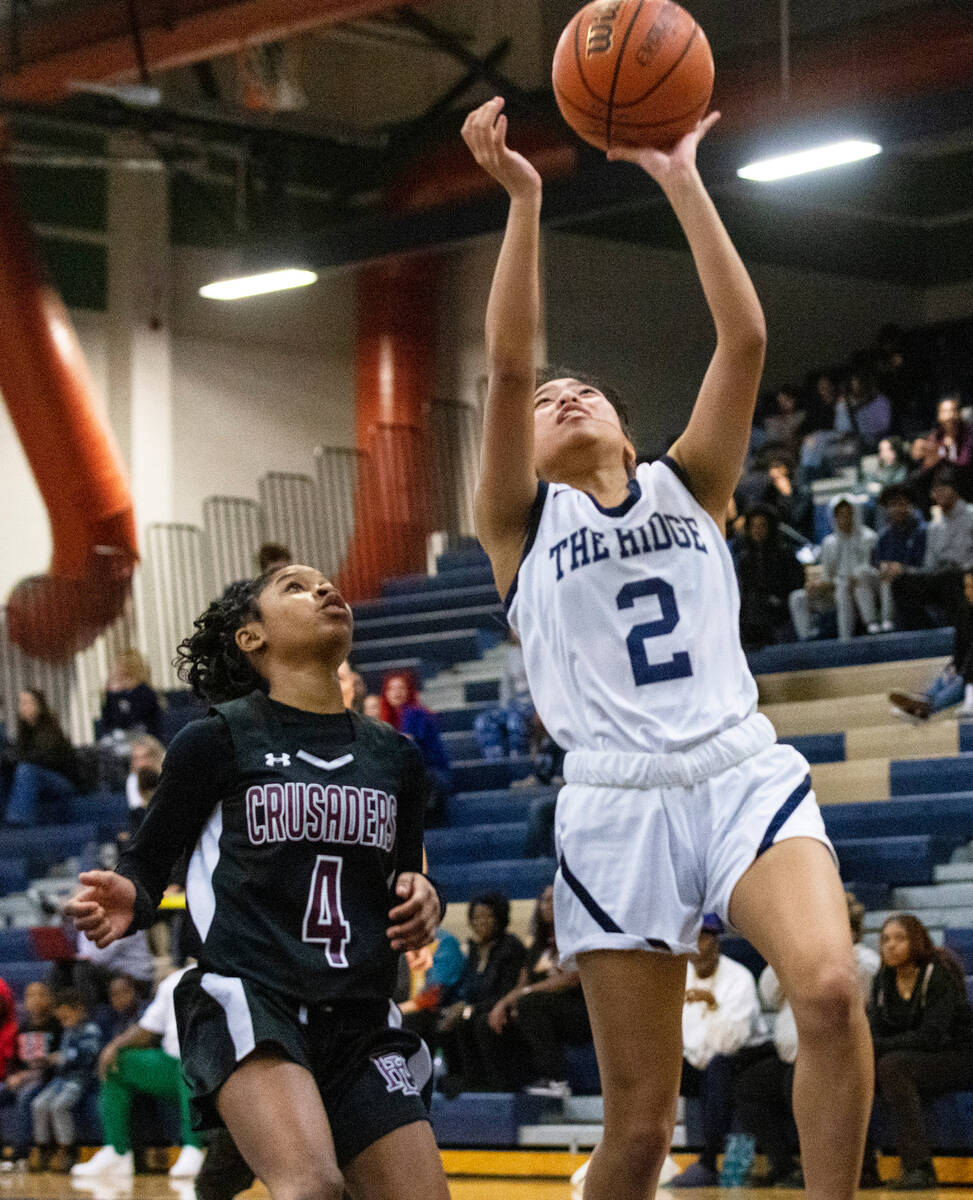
46,772
722,1033
402,709
900,547
932,594
30,1067
442,969
74,1064
142,1060
922,1027
126,1002
848,582
954,683
130,706
768,572
505,730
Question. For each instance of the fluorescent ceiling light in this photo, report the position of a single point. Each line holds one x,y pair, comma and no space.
257,285
817,159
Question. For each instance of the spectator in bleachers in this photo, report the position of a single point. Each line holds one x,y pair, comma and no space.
863,411
544,1012
764,1089
848,583
922,1026
145,753
372,707
931,595
890,469
403,710
30,1068
723,1032
784,424
130,705
435,971
792,502
768,572
901,546
127,1003
505,730
46,771
74,1071
950,441
352,688
832,439
494,958
144,1060
954,683
272,555
93,969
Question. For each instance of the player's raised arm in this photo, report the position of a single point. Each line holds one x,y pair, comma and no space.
507,483
713,447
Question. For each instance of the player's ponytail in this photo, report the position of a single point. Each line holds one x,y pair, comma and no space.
209,660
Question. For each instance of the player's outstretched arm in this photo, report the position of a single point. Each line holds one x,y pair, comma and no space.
713,447
507,483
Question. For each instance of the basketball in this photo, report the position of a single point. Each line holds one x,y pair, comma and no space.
633,72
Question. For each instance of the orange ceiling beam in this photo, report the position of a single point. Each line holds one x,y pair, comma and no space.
92,42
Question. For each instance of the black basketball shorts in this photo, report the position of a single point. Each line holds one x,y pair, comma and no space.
373,1077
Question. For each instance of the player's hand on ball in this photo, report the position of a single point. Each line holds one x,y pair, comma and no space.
415,920
666,165
485,132
104,907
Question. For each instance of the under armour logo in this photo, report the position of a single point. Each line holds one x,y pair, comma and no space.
395,1072
277,760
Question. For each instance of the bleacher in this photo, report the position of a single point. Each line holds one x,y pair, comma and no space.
897,801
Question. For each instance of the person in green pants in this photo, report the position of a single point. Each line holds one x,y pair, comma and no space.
144,1060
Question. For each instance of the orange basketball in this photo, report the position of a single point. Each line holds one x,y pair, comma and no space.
633,72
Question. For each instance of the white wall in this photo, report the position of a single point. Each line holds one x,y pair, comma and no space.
637,316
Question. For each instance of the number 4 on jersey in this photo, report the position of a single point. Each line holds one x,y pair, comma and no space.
324,922
679,666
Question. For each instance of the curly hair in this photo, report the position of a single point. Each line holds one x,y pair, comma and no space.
209,660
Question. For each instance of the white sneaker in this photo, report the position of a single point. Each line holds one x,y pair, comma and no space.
188,1163
577,1179
558,1089
106,1161
670,1169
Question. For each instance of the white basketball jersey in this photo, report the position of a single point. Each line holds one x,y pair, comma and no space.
629,618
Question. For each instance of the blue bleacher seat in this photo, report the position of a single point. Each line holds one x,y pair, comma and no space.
475,843
960,941
885,647
581,1064
467,577
464,559
495,806
520,879
47,844
13,875
18,974
896,860
437,600
489,772
947,815
107,810
486,1118
17,945
921,776
819,747
461,745
481,689
460,720
490,617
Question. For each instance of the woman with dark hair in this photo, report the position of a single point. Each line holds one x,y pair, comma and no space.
304,826
768,572
46,771
403,710
544,1011
922,1027
494,959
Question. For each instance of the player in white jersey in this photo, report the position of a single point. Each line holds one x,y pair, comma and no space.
678,799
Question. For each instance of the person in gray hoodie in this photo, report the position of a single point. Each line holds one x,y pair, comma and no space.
848,584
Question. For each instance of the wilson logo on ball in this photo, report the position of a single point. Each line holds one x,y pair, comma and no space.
601,31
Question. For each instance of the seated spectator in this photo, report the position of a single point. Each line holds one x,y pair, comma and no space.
494,959
144,1060
950,441
833,439
544,1012
768,572
272,555
505,731
901,546
402,709
931,595
30,1068
130,706
352,688
127,1002
46,771
954,683
848,584
793,503
441,971
722,1033
784,424
372,707
891,467
863,411
74,1071
922,1027
145,753
764,1089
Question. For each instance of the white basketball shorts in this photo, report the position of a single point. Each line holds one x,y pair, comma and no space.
647,843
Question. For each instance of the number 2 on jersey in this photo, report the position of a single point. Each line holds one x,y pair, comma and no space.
679,666
324,922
